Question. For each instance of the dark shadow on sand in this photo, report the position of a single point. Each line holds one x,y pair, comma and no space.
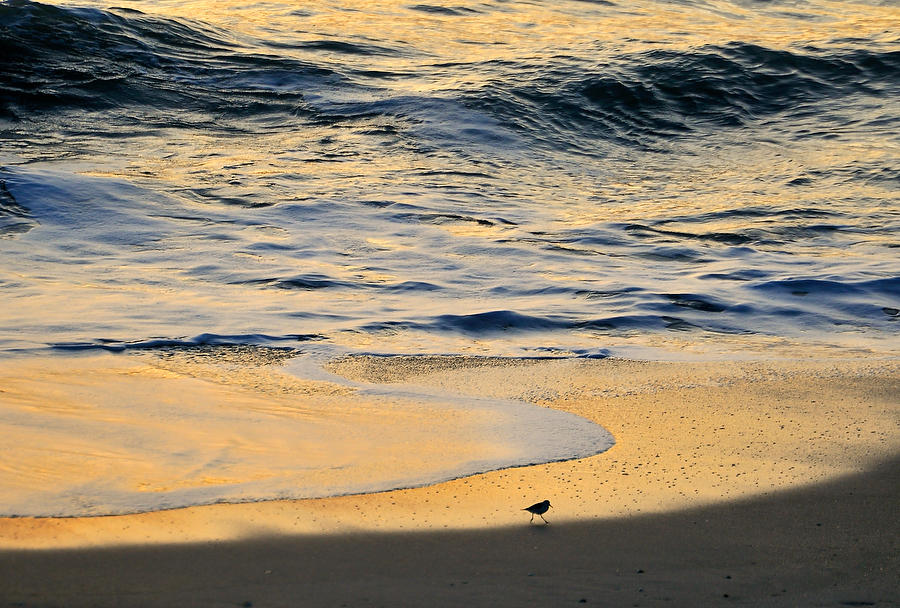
835,544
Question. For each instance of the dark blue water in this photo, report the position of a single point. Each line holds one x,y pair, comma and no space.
500,177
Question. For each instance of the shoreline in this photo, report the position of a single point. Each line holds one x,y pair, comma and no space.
679,411
750,452
115,435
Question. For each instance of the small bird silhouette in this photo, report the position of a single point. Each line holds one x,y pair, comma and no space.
538,509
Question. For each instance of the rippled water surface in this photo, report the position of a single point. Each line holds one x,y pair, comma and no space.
497,177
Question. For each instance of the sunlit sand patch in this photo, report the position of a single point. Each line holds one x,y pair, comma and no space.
688,435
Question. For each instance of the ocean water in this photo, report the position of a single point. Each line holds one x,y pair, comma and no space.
499,178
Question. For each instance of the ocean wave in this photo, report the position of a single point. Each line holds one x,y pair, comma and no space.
14,218
99,60
668,93
889,287
199,341
319,183
453,11
91,59
492,323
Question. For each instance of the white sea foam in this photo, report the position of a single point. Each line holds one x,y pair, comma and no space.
111,434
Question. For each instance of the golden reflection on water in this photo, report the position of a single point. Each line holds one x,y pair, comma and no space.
729,174
520,33
419,43
515,29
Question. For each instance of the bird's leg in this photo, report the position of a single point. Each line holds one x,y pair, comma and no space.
532,518
542,517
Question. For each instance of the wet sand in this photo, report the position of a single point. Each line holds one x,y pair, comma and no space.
109,434
755,483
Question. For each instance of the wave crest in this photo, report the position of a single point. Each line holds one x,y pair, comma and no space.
668,93
91,59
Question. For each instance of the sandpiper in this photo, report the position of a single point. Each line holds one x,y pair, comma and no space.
538,509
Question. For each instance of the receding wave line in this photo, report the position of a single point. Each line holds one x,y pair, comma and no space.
499,321
201,340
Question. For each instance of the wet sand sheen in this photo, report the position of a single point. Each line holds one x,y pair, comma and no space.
114,434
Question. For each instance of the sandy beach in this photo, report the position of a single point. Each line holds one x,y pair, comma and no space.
757,483
302,304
